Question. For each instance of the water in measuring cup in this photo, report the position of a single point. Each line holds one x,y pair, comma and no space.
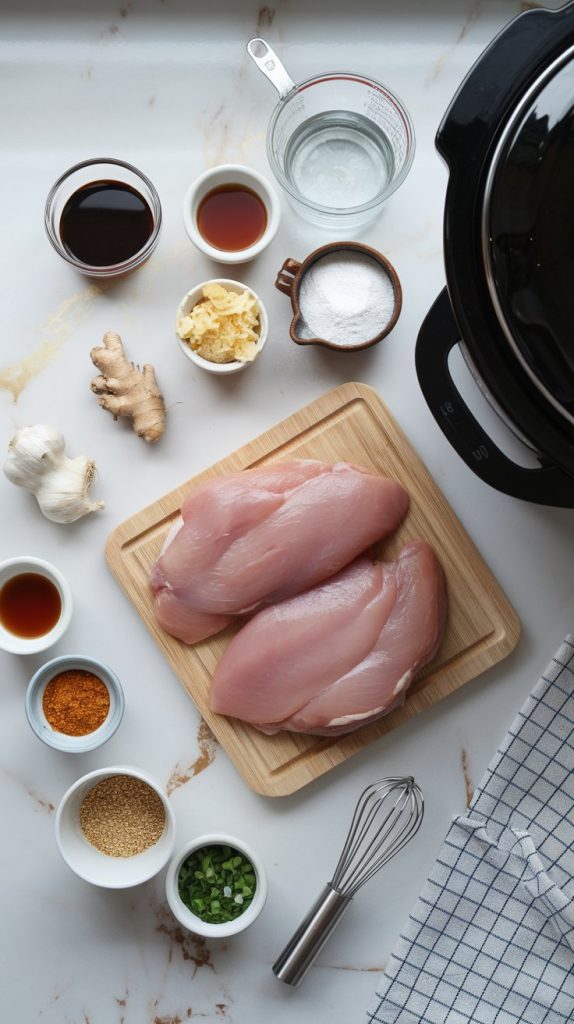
339,159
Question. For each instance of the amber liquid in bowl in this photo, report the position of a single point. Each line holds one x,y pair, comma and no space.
30,605
231,217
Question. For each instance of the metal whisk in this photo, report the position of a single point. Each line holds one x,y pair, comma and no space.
388,814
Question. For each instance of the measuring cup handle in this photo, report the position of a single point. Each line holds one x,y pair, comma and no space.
284,279
268,62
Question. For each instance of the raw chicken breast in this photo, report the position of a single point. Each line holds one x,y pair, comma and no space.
339,655
262,535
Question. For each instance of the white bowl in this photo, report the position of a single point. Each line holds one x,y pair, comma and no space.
192,298
231,174
99,868
60,740
185,916
31,645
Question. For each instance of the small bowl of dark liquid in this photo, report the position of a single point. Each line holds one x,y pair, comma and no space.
231,213
103,217
35,605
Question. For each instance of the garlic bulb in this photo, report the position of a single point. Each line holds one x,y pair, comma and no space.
37,460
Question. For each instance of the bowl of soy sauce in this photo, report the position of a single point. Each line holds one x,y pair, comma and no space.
103,217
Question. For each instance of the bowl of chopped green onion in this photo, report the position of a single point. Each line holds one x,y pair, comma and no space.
216,886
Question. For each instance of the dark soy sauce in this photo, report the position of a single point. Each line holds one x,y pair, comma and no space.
231,217
30,605
105,223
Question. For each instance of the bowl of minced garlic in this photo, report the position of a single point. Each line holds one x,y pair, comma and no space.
222,326
74,703
115,827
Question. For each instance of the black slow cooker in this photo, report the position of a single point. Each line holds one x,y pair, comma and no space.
508,140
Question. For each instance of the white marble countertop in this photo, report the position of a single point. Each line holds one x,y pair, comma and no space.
169,86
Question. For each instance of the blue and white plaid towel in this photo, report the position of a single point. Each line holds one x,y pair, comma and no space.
491,939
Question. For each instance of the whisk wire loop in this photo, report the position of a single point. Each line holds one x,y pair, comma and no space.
359,849
387,816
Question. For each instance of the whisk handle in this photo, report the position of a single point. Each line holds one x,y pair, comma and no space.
305,945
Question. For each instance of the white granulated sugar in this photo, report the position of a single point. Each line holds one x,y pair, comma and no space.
346,298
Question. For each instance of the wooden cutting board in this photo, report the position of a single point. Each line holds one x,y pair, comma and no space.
352,424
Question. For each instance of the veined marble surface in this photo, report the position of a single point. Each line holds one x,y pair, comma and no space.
168,85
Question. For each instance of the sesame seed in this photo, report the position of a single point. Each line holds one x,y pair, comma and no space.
122,816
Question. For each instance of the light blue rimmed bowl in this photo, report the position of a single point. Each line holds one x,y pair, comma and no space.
60,740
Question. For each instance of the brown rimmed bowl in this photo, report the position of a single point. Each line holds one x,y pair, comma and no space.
291,274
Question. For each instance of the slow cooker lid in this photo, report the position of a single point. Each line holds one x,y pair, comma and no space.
528,233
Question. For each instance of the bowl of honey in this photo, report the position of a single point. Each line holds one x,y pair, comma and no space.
35,605
231,213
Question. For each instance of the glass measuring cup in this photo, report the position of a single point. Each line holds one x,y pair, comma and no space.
338,143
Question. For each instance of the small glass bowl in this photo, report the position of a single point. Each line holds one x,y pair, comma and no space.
100,169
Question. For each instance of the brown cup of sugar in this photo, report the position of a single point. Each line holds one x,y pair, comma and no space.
345,296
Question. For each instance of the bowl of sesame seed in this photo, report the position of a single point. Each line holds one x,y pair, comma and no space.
115,827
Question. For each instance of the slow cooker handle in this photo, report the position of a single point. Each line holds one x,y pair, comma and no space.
439,333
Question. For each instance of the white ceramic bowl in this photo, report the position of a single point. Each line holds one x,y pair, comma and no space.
185,916
31,645
60,740
87,861
231,174
192,298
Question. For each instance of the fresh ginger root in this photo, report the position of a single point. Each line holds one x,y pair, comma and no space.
125,390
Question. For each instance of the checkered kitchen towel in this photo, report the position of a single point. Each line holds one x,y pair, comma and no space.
491,939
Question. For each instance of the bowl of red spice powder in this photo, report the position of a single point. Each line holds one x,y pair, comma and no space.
74,703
